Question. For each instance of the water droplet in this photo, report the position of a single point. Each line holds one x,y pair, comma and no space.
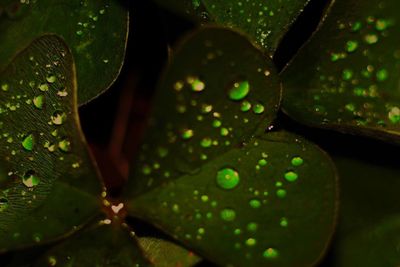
251,242
28,142
252,227
255,203
245,106
30,179
38,101
58,117
291,176
187,134
271,253
227,178
283,222
51,78
43,87
196,84
64,145
228,215
206,142
262,162
52,261
297,161
394,115
382,75
258,108
5,87
351,46
281,193
239,90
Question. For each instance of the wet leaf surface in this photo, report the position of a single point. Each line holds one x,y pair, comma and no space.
96,32
49,186
103,246
346,78
252,206
265,21
211,101
162,253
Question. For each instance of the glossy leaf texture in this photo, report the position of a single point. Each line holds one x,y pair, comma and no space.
100,245
89,27
49,185
346,77
265,21
271,202
217,92
162,253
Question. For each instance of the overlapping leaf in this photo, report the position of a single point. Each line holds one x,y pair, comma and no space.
95,31
48,184
209,175
346,78
265,21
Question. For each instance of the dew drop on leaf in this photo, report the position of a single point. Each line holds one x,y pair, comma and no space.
228,215
30,179
51,78
64,145
239,90
38,101
297,161
28,142
291,176
271,253
258,108
227,178
255,203
58,117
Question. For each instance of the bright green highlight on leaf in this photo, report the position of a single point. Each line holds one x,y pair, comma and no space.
227,178
228,215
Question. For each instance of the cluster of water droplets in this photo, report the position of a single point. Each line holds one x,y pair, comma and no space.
361,71
34,131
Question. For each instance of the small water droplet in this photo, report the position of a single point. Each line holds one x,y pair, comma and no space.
228,215
43,87
251,242
28,142
255,203
252,227
271,253
64,145
227,178
38,101
58,117
351,46
30,179
51,78
258,108
187,134
297,161
245,106
283,222
291,176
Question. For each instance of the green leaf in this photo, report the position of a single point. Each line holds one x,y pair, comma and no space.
216,93
271,202
49,185
265,21
163,253
96,32
346,78
374,246
103,246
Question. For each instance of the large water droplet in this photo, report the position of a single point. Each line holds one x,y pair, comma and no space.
30,179
239,90
297,161
227,178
